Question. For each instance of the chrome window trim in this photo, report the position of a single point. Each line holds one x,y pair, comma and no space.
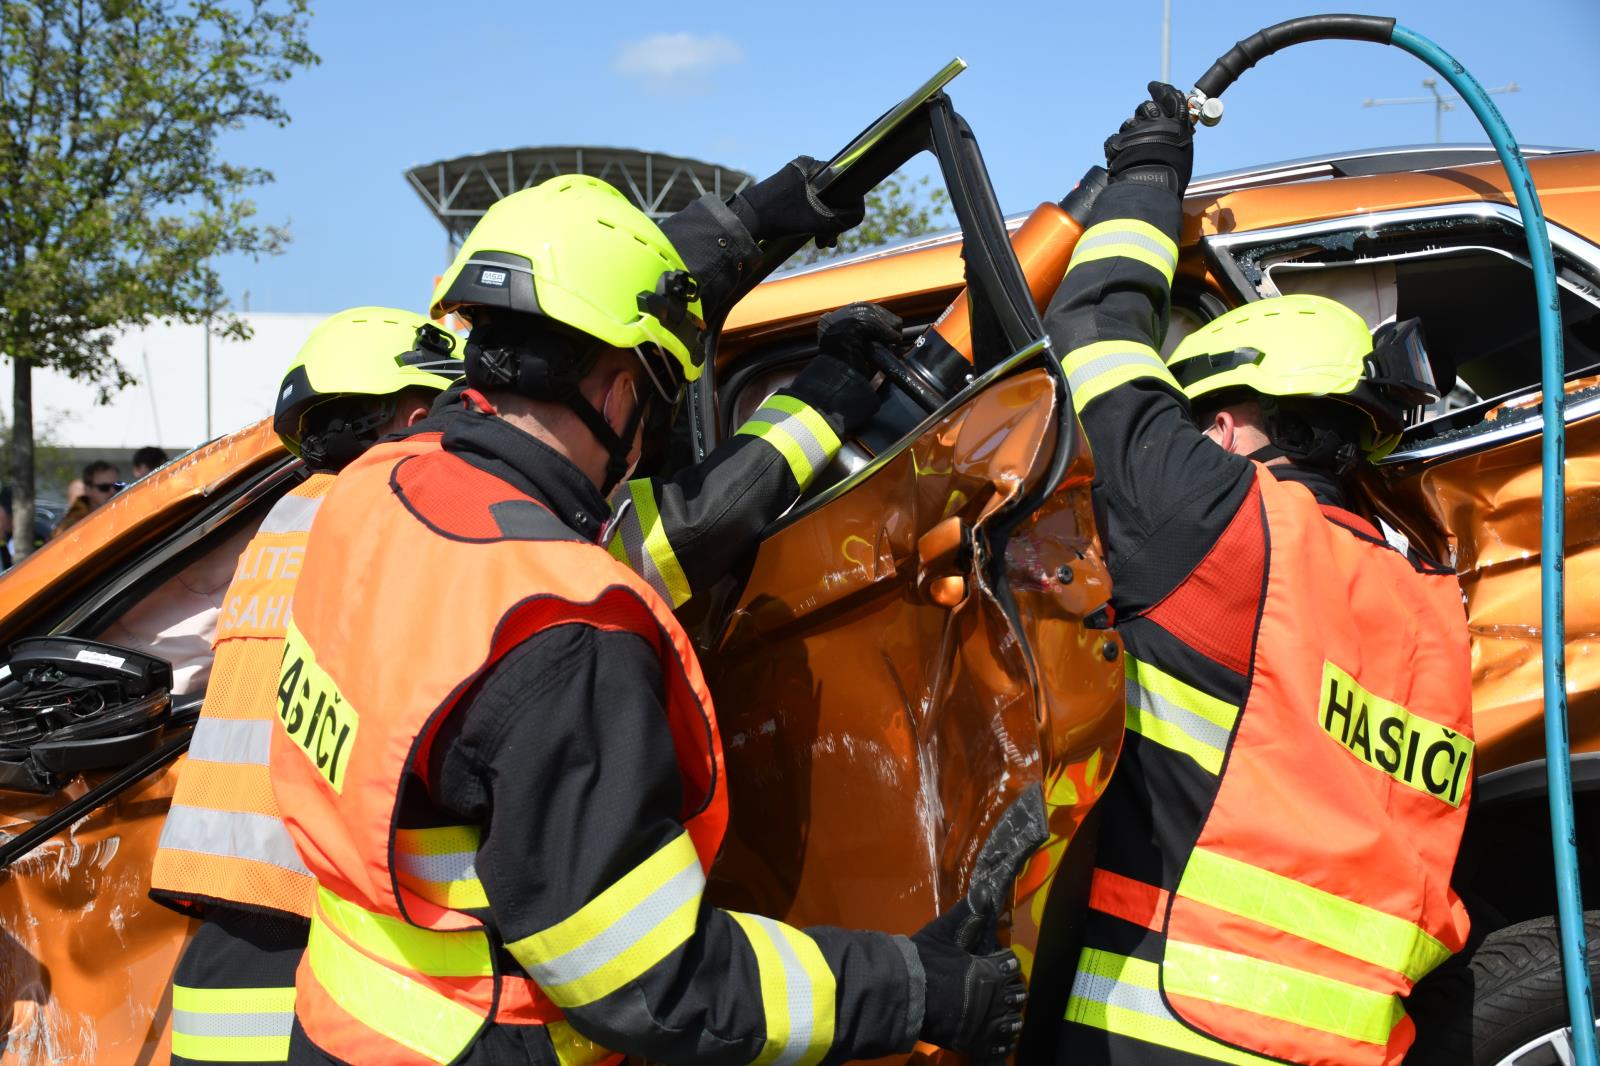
878,462
1591,294
1221,249
1511,431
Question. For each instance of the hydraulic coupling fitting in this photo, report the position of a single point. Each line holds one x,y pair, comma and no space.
1204,110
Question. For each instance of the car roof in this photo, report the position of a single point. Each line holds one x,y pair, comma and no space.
1274,194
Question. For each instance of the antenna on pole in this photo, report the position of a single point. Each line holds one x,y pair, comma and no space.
1440,103
1166,41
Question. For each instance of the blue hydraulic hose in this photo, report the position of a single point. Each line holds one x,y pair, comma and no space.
1552,543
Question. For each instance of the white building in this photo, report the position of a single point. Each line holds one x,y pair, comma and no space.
170,406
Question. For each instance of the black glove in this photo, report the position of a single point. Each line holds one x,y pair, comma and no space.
1159,135
786,205
850,332
974,1002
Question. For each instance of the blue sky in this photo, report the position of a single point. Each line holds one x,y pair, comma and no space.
753,85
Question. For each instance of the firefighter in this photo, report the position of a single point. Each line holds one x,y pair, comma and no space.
496,750
224,855
1273,869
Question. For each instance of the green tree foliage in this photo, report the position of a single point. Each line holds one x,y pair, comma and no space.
114,193
901,207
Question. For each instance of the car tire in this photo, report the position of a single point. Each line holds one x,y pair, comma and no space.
1518,1007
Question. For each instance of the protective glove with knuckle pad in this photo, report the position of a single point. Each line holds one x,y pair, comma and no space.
1156,145
787,205
974,1000
850,332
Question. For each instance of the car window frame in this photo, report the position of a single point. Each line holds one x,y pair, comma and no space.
1223,254
92,610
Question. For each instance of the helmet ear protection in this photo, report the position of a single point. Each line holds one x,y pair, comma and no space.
335,432
545,360
528,355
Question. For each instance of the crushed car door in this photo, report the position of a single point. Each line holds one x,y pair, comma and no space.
914,680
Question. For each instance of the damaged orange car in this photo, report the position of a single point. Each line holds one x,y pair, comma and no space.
918,683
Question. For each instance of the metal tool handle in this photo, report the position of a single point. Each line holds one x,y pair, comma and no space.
887,123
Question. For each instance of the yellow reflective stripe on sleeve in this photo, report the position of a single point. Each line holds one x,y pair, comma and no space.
1231,885
797,992
1276,991
801,435
230,1048
1095,369
622,932
639,540
1127,238
439,864
233,1000
1122,995
403,1010
463,953
1177,715
232,1024
1415,751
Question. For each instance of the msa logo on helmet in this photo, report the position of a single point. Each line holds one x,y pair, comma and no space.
313,711
1416,752
493,279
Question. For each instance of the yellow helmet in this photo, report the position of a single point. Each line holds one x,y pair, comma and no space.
574,250
362,352
1313,347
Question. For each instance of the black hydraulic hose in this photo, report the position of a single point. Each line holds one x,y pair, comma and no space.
1253,49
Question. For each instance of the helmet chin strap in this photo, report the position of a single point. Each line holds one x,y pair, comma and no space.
1266,452
617,445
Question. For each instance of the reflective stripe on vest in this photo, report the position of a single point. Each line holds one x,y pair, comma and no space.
234,741
232,1024
1271,990
1122,995
440,865
1127,238
399,968
1309,913
1177,715
408,1012
639,541
801,435
223,839
1095,369
798,992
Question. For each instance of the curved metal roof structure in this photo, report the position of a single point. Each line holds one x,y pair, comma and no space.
458,191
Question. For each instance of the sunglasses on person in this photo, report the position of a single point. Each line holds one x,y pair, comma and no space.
107,486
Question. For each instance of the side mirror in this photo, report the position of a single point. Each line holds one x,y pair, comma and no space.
68,705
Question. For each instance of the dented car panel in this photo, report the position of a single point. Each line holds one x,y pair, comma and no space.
878,713
88,955
1481,507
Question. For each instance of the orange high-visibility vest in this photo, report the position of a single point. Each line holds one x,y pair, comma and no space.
223,840
1317,892
422,573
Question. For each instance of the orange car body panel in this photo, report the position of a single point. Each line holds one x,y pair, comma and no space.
850,744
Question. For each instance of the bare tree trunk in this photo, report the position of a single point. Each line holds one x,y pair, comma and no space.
21,457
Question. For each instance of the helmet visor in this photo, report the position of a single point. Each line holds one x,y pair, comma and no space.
663,404
1401,367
